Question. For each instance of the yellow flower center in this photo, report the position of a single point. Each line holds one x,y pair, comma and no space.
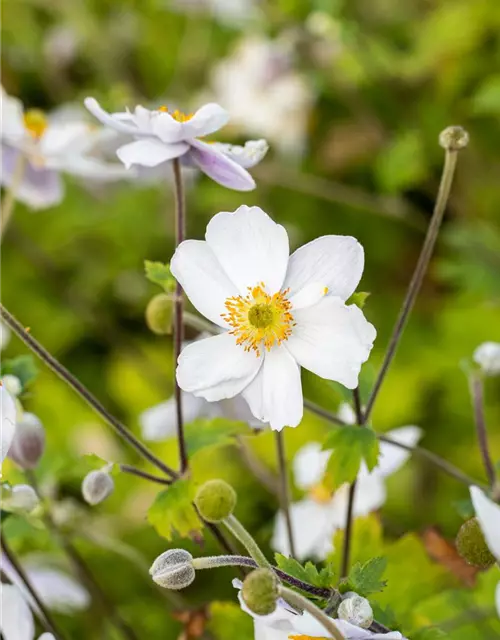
320,493
35,123
259,319
177,115
301,637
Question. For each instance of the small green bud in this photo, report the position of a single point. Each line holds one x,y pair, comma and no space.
260,591
97,486
454,138
173,569
215,500
356,610
159,314
29,441
472,546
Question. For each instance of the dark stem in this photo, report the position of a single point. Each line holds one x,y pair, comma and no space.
180,234
82,391
476,389
418,274
346,551
284,488
323,413
45,618
127,468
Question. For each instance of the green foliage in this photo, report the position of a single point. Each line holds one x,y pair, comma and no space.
160,274
359,298
351,445
23,367
203,433
173,512
366,540
402,163
430,633
228,622
366,578
307,573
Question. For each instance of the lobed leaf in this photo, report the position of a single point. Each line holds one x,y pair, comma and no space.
160,274
351,445
173,511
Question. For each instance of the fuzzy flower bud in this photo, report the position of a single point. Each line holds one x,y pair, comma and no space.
20,498
487,356
12,384
29,441
356,610
173,569
159,314
260,591
472,546
215,500
97,486
454,138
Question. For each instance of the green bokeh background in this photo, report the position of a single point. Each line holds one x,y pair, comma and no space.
401,73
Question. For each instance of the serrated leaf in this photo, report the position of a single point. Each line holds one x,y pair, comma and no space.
23,367
366,578
229,622
359,298
173,511
307,573
351,445
212,432
160,274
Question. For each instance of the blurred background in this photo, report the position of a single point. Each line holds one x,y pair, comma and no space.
351,96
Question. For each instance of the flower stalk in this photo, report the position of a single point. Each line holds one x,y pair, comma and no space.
477,395
239,532
284,489
9,200
299,601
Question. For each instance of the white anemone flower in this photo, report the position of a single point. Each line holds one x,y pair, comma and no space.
234,13
16,621
287,624
316,518
8,411
488,514
277,313
162,135
487,356
4,336
36,150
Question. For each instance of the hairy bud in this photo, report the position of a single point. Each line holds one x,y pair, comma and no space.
20,497
260,591
159,314
29,442
215,500
472,546
97,486
356,610
454,138
12,384
173,569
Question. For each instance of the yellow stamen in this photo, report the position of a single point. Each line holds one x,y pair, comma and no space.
177,115
35,123
320,493
301,637
259,319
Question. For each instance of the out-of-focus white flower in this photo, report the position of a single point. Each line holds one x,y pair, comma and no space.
8,411
316,518
16,621
285,623
4,336
36,150
20,497
488,514
231,12
161,136
277,312
487,356
12,384
264,94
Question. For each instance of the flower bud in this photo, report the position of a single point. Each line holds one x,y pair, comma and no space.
29,441
159,314
487,356
97,486
260,591
454,138
472,546
356,610
12,384
20,497
173,569
215,500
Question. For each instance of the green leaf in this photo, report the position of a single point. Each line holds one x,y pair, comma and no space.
307,573
402,163
351,445
215,432
23,367
359,298
366,540
160,274
367,578
173,511
229,622
429,633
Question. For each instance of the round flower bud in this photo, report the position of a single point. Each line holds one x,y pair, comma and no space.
260,591
29,441
215,500
20,497
173,569
356,610
12,384
159,314
472,546
97,486
454,138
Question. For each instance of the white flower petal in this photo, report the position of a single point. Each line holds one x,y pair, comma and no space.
149,152
488,514
309,465
59,591
60,136
117,121
237,408
16,619
392,457
308,295
346,413
216,367
312,529
332,340
160,422
12,117
248,155
371,494
203,279
487,356
8,426
335,261
93,169
47,636
254,396
250,247
218,166
208,119
282,389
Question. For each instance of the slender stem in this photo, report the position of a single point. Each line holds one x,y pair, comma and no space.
323,413
180,234
299,601
45,618
82,391
476,389
127,468
346,552
419,273
284,488
9,199
239,531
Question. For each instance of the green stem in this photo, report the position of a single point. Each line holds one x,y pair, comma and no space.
476,390
300,602
239,532
284,489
